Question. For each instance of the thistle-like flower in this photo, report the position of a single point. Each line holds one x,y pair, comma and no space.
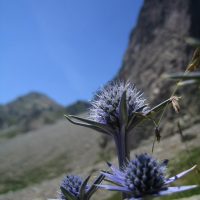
142,177
71,184
106,103
75,188
116,110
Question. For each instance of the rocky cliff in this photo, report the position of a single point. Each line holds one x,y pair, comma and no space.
157,46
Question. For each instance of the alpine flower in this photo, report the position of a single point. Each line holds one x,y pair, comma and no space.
106,103
73,187
144,176
116,109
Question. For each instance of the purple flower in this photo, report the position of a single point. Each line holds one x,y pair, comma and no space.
106,103
72,184
116,109
75,188
142,177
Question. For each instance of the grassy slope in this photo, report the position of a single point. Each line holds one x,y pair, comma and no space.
44,154
48,170
184,161
26,156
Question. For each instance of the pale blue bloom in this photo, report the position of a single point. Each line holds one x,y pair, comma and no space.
142,177
106,103
75,188
72,184
116,109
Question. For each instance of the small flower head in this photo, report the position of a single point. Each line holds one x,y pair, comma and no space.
143,176
75,188
72,184
106,103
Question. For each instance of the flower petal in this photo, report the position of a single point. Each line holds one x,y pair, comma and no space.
115,170
174,178
172,190
114,188
113,178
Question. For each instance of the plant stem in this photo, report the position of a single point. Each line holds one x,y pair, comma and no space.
122,148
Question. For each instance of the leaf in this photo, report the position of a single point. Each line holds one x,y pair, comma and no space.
83,188
103,127
192,41
123,112
159,107
186,76
195,63
67,194
171,190
180,175
94,188
114,188
188,82
138,117
86,125
135,119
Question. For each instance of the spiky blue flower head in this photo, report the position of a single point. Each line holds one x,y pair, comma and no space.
116,109
106,103
75,188
142,177
72,184
145,175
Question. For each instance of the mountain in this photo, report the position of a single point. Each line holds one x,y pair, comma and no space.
31,111
77,107
157,46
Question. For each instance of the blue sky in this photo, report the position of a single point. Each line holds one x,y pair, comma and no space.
66,49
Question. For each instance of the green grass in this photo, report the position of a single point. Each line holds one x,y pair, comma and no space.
103,157
9,135
115,196
185,161
17,181
57,166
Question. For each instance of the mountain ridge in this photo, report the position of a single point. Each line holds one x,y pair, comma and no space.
33,110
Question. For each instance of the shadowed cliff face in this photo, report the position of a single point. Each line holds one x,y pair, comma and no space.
157,46
195,16
157,42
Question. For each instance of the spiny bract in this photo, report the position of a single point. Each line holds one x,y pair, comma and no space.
105,104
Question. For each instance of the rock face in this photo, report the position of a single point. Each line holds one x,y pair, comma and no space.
157,43
157,46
